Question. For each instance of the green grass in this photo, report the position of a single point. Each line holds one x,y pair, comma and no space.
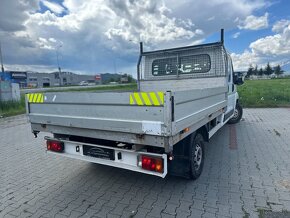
11,108
265,93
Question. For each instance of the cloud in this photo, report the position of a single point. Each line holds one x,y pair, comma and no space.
280,25
147,21
274,45
236,35
50,44
211,16
254,23
54,7
13,14
243,61
27,67
273,48
98,34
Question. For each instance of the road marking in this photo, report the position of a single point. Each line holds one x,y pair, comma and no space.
233,144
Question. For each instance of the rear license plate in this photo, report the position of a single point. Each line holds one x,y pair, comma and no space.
103,153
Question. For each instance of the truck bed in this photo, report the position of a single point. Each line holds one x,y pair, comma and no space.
149,118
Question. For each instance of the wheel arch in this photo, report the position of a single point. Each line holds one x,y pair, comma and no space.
180,165
204,132
237,96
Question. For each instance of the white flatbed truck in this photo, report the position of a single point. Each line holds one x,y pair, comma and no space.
185,95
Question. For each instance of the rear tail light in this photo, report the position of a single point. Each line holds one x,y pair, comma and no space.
56,146
151,163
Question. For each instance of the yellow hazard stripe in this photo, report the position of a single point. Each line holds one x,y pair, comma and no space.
30,97
38,98
132,100
161,96
138,98
35,98
147,98
154,98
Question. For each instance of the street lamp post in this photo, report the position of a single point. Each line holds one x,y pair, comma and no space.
59,69
2,67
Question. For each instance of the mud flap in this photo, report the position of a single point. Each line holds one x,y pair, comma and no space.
180,167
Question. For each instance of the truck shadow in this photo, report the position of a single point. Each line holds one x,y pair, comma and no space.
218,147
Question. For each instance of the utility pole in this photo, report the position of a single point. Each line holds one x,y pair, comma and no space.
2,67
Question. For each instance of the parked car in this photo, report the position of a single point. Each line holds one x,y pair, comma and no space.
83,83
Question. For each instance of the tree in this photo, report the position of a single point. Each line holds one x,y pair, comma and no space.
261,72
130,79
268,69
250,71
277,70
255,71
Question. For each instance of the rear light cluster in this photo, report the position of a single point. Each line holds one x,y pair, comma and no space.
56,146
151,163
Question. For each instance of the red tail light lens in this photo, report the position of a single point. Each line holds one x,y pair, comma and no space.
55,146
152,163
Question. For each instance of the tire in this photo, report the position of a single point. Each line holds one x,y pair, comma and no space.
196,156
237,114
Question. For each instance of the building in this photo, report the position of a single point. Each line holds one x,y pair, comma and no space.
40,80
19,77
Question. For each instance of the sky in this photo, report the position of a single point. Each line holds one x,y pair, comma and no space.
100,36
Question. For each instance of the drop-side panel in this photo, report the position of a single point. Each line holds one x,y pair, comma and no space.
192,106
100,111
157,141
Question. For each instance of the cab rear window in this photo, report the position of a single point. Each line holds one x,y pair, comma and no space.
165,66
184,65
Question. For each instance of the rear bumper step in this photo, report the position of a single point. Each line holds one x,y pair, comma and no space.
115,157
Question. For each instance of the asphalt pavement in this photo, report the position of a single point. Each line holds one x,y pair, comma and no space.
246,174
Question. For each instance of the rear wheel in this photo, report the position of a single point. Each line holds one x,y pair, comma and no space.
238,113
196,156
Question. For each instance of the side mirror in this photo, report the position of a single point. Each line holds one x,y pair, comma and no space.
238,79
